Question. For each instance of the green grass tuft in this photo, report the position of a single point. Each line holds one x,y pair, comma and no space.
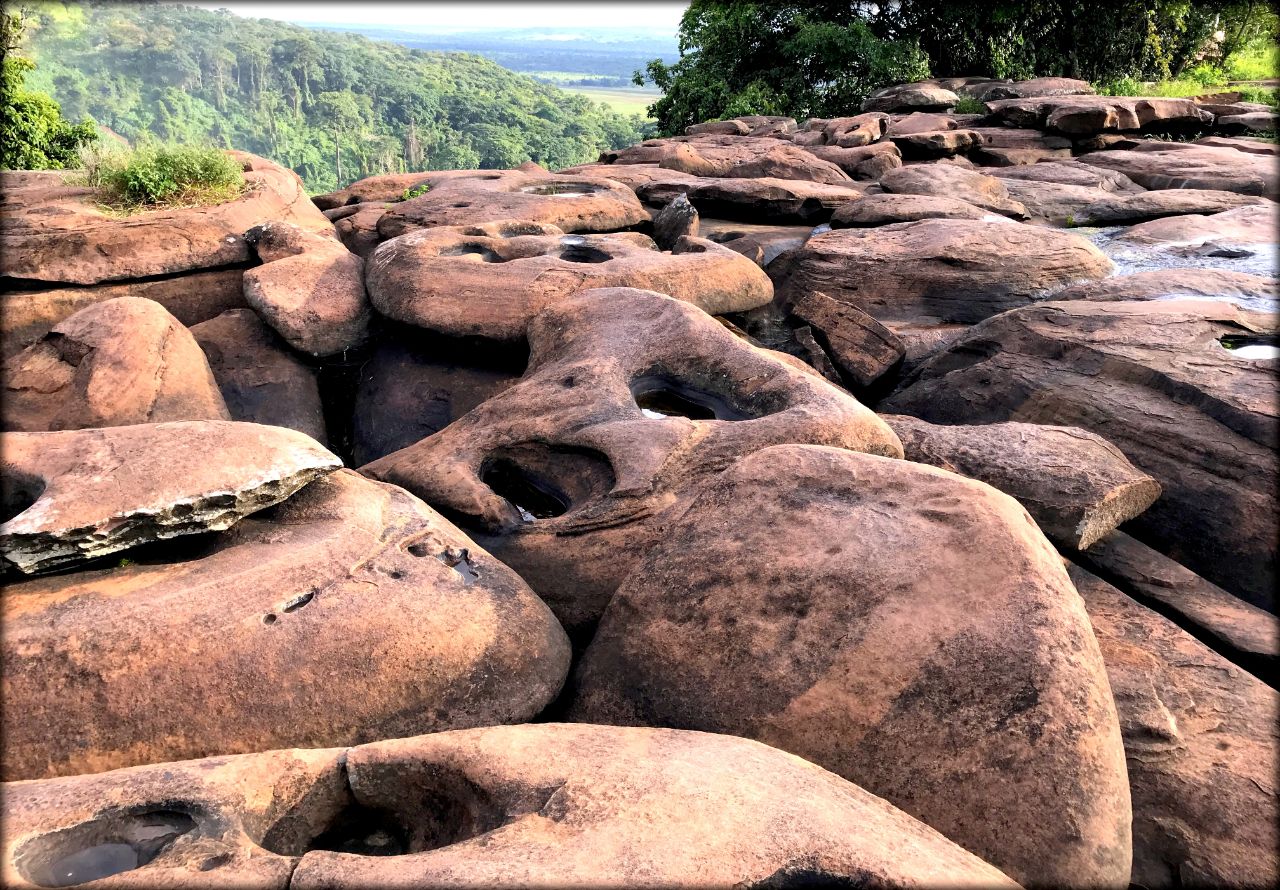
969,105
416,191
157,175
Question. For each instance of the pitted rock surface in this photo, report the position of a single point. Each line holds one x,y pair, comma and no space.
631,401
350,612
924,642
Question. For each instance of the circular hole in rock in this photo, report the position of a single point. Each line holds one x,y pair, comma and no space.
472,249
543,481
18,493
663,396
582,253
103,847
1251,348
363,832
561,190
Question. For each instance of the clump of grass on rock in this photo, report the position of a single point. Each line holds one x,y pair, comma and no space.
155,176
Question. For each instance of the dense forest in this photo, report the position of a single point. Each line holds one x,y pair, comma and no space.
332,106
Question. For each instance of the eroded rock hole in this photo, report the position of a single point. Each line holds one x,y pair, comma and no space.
582,253
543,481
363,832
660,396
485,254
18,493
1251,347
561,190
106,846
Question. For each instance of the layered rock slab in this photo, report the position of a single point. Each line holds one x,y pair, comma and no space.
1081,115
948,181
115,363
1202,745
1154,379
763,198
1075,484
118,667
924,641
1192,166
482,281
98,491
52,232
950,270
631,400
550,805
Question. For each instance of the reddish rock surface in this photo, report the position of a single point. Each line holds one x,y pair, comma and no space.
123,666
1202,739
944,181
1167,284
963,678
863,349
115,363
1193,166
924,96
1153,379
761,200
1086,115
480,281
885,209
566,478
51,232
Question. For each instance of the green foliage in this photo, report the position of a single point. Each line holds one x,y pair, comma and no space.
969,105
416,191
1265,95
316,101
169,175
792,58
33,133
1261,63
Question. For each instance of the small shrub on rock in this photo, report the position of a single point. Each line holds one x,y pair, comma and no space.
162,176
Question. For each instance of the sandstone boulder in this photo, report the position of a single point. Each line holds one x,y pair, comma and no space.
631,175
952,270
1252,227
357,226
1056,202
119,667
1071,172
923,641
1154,379
936,143
81,494
1249,122
677,219
310,288
869,162
1129,209
26,316
1202,745
476,282
552,805
260,379
945,181
572,203
1194,167
1029,89
1248,291
862,349
755,200
718,128
1075,484
923,96
115,363
735,157
1250,144
1086,115
885,209
855,131
1243,634
631,400
50,232
762,244
921,122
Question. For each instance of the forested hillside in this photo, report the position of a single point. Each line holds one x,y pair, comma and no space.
317,101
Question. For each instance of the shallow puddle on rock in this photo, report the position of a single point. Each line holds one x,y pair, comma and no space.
1251,348
653,415
92,863
1131,258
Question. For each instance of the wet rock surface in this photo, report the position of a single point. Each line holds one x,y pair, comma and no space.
949,575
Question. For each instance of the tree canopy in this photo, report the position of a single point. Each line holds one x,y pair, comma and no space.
312,100
33,133
821,58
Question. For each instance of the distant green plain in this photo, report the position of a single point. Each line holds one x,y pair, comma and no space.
623,100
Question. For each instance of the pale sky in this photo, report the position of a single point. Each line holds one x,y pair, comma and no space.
474,16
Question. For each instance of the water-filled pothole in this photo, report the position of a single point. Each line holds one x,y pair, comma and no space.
543,481
103,847
1251,348
582,253
662,396
472,249
561,190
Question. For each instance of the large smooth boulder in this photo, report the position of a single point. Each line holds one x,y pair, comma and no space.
52,232
862,349
1194,167
1248,291
923,96
869,162
735,157
1059,203
931,144
1244,634
485,282
350,612
114,363
631,401
261,381
755,200
946,181
1154,379
1130,209
1073,172
87,493
1075,484
310,288
952,270
1028,89
571,203
552,805
1086,115
1203,744
923,640
1252,227
26,315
